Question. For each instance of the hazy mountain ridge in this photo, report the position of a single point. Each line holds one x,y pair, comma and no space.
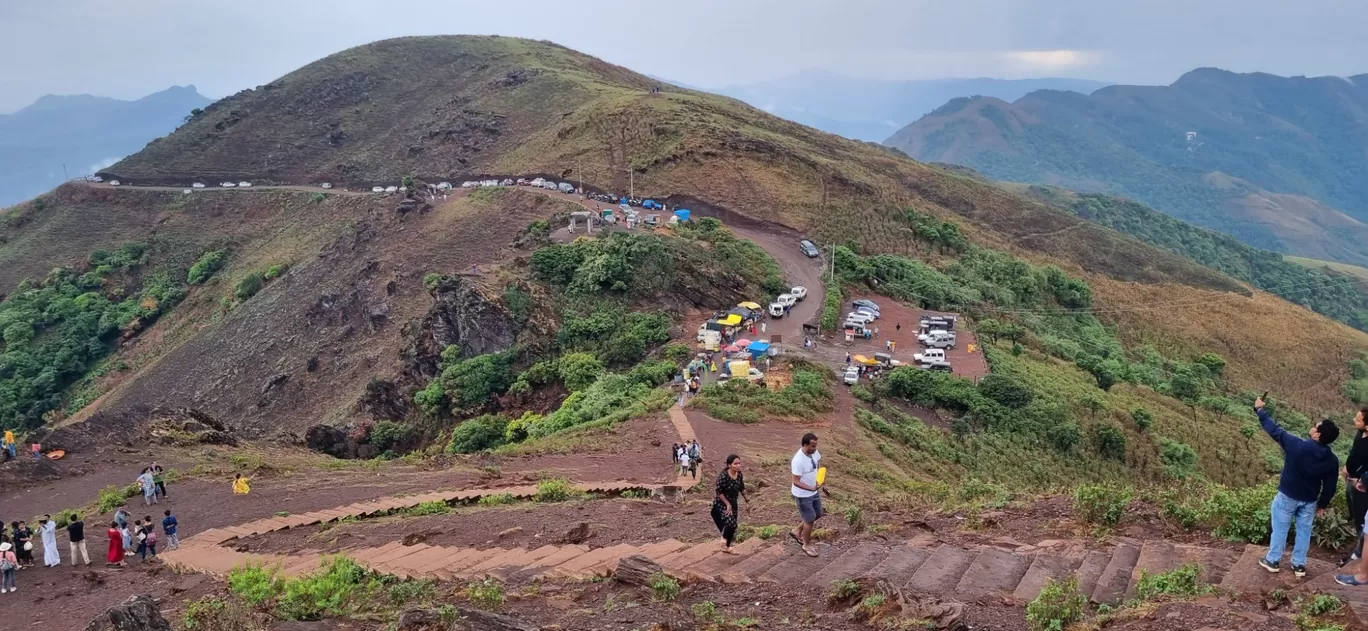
1277,162
84,131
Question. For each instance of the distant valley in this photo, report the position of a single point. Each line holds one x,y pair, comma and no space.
1276,162
87,133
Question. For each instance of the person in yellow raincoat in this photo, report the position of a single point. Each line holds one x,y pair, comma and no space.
240,486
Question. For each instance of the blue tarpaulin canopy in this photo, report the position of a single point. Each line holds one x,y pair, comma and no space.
758,349
683,214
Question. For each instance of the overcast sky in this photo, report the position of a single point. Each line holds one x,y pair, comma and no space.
129,48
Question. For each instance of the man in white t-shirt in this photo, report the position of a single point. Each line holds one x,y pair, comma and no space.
806,491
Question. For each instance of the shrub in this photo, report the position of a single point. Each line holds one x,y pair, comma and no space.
486,593
211,613
1110,442
580,370
205,266
664,588
254,584
1179,459
497,499
1143,418
387,434
332,592
1321,605
431,398
471,382
1100,504
275,271
1064,436
317,198
428,508
249,286
1007,391
1183,582
842,590
555,490
1239,514
478,434
1333,529
705,612
1057,606
112,497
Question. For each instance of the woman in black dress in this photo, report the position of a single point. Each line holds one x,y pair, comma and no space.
726,512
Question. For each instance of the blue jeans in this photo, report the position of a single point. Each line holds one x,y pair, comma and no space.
1285,511
7,579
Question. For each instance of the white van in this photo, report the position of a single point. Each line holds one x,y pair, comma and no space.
776,310
929,355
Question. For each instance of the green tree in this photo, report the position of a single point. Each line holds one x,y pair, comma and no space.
470,383
1007,391
1109,441
580,370
478,434
1143,418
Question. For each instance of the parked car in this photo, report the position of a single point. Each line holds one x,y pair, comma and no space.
868,304
809,249
852,375
244,184
391,189
228,185
115,183
377,189
927,335
469,184
929,355
863,317
946,339
788,300
197,185
96,178
776,310
506,182
940,366
538,182
652,204
550,186
325,185
187,191
799,292
867,311
566,187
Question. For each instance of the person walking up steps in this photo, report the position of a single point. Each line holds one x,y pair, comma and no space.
76,538
726,511
1305,487
171,527
806,492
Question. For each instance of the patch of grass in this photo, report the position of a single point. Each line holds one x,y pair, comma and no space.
1059,605
1183,582
705,612
746,623
254,584
212,613
497,499
487,593
1101,505
428,508
1321,605
555,490
842,590
664,588
112,497
636,494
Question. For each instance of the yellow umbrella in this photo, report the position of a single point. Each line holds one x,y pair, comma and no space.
749,305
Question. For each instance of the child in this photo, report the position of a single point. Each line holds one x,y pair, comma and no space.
240,485
9,564
126,534
171,527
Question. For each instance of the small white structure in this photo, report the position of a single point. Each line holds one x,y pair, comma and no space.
584,215
187,191
197,185
326,185
1191,136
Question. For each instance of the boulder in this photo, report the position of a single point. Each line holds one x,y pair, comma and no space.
327,439
138,613
636,570
577,535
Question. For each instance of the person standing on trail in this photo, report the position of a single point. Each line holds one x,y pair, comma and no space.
806,492
76,539
847,358
171,527
898,327
695,458
23,543
762,327
726,510
121,517
9,566
116,544
9,444
892,346
49,529
1305,488
148,483
159,479
1355,491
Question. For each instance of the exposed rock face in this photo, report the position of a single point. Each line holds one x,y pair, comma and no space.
460,316
138,613
329,440
384,401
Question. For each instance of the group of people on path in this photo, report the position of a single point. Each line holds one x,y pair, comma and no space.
139,538
807,489
687,457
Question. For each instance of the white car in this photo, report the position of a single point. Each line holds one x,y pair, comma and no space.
776,310
391,189
227,184
468,184
325,185
196,185
929,355
859,316
799,292
377,189
852,376
244,184
187,191
506,182
96,179
444,186
538,181
115,182
788,300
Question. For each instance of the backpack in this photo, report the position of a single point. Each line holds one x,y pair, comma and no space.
5,563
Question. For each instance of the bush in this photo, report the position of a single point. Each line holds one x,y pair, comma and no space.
1064,436
1109,441
254,584
275,271
1143,418
486,593
434,507
664,588
705,612
317,198
1321,605
216,614
1058,606
470,383
1179,459
1100,504
387,434
1183,582
842,590
555,490
497,499
205,267
249,286
112,497
478,434
1007,391
332,592
580,370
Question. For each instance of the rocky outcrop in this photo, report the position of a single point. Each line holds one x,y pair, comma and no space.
138,613
465,619
460,316
329,440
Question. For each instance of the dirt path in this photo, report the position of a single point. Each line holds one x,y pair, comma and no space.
250,189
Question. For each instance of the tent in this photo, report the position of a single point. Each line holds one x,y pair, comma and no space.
743,312
743,343
749,305
861,359
732,319
731,348
758,349
683,214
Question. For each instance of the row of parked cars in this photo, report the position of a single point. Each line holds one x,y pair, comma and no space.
936,334
787,300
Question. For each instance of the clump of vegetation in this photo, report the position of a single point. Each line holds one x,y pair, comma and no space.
497,499
486,593
478,434
842,590
386,435
1183,582
205,266
428,508
555,490
664,588
254,584
705,612
1100,504
212,613
1321,605
740,401
1059,605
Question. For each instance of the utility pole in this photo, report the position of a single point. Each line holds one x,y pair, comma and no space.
64,172
631,182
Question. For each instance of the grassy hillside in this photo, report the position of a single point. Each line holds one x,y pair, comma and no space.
308,344
1271,160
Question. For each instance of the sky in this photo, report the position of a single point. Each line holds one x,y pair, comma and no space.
130,48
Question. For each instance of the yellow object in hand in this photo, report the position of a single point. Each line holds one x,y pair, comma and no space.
821,476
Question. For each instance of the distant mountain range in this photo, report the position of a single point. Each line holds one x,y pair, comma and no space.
1280,163
872,109
86,132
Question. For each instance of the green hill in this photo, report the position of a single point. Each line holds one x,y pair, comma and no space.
1276,162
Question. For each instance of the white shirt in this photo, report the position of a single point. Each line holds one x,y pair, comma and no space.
805,467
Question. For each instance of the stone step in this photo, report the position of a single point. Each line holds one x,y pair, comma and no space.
481,569
456,561
560,556
994,571
675,563
439,558
1045,566
898,567
1112,583
606,566
941,571
797,566
396,553
583,566
463,572
1246,576
658,550
1356,598
1157,557
1094,563
531,556
755,565
711,568
850,564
